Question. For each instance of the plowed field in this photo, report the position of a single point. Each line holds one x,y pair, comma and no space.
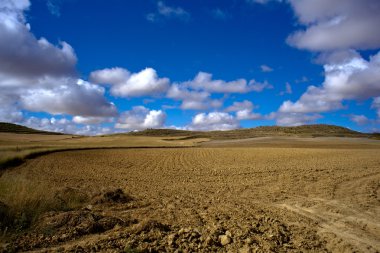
206,199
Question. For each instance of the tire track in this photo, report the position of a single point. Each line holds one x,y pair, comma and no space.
345,227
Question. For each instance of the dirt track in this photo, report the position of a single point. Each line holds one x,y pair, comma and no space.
197,199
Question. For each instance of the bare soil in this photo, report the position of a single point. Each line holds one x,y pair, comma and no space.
208,199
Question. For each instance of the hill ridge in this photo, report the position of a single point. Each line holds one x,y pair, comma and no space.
312,130
20,129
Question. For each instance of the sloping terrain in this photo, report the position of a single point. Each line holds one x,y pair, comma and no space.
14,128
319,130
300,131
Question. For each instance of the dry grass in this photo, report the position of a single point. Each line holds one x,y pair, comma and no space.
27,198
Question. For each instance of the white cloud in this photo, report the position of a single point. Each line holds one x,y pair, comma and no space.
359,119
203,81
23,55
165,11
376,105
39,76
213,121
338,24
112,76
64,125
140,118
259,87
91,120
294,118
192,100
15,5
266,68
244,110
353,79
69,96
238,106
335,29
247,114
196,94
125,84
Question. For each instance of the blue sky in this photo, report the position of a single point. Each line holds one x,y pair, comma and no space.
114,66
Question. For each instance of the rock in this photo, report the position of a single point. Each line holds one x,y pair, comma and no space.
245,249
224,240
208,241
249,241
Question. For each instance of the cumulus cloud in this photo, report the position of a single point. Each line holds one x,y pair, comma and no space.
259,87
79,98
238,106
39,76
204,81
376,105
359,119
64,125
244,110
352,79
126,84
247,114
22,54
192,100
196,94
91,120
165,11
336,29
294,118
338,24
140,118
213,121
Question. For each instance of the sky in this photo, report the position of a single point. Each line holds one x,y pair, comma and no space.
100,67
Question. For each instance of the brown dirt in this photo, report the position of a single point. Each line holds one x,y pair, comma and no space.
249,199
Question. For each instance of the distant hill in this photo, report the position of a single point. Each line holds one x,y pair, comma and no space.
14,128
319,130
166,132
